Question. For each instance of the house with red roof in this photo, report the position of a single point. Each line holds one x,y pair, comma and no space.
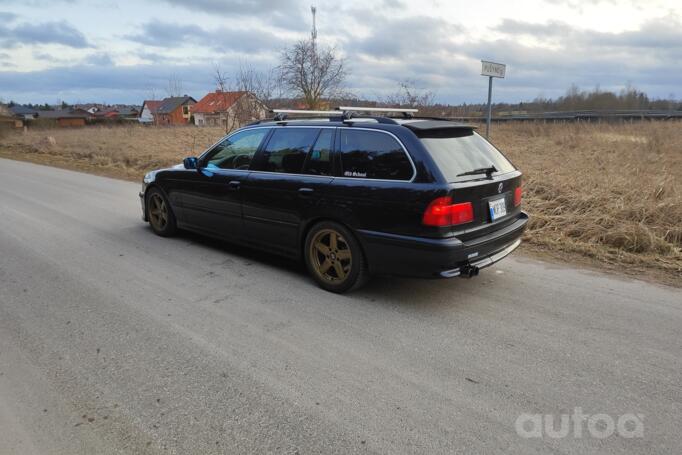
149,108
228,110
108,114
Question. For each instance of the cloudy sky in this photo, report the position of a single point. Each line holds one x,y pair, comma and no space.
126,50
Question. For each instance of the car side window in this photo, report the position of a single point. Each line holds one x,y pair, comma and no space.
287,149
237,151
319,160
372,155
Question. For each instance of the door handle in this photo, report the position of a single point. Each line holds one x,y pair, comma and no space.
305,191
234,184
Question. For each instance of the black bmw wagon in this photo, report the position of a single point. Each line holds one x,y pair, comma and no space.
351,194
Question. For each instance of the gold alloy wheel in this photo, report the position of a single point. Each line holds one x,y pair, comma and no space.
330,256
158,212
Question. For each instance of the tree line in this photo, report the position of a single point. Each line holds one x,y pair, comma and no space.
597,99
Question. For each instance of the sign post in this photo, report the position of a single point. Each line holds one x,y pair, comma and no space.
491,70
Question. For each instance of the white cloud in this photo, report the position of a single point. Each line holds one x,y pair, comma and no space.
131,46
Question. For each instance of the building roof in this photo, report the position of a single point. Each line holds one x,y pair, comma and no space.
64,113
152,105
110,112
168,105
217,102
88,106
22,110
127,111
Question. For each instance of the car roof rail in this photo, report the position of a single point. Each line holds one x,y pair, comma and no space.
407,112
347,114
282,114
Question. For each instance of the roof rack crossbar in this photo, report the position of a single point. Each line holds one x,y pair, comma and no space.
282,114
376,109
303,111
347,113
407,112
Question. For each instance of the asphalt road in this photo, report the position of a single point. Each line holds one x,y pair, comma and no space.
113,340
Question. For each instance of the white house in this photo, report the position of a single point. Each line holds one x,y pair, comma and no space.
149,108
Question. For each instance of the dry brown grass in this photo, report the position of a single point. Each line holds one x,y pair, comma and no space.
125,152
608,194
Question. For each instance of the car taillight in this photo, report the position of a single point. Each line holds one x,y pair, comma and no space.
442,212
517,196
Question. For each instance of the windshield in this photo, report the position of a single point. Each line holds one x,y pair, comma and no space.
461,150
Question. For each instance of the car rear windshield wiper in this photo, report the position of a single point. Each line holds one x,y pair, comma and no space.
488,171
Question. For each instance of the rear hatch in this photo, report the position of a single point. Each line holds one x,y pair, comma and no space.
477,173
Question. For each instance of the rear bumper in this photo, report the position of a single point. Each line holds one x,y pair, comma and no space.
483,262
439,258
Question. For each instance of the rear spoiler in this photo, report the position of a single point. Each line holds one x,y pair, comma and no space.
439,128
418,125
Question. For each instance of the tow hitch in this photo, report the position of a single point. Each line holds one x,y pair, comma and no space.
468,271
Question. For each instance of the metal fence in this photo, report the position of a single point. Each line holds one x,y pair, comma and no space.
578,116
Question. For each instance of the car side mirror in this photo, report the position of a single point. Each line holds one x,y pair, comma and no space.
190,162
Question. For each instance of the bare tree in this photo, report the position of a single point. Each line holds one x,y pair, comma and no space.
311,72
258,88
220,78
221,81
265,85
152,93
408,95
174,85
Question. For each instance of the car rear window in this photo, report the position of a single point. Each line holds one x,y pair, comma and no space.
372,155
459,150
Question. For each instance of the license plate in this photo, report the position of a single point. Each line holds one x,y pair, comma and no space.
498,209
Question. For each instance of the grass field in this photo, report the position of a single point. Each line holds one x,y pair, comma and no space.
608,193
605,194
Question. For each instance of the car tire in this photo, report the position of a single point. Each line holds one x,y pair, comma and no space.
159,213
334,258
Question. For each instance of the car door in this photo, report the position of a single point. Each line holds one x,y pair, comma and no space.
288,184
373,191
211,196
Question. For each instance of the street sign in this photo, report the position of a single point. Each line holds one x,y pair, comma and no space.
493,69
